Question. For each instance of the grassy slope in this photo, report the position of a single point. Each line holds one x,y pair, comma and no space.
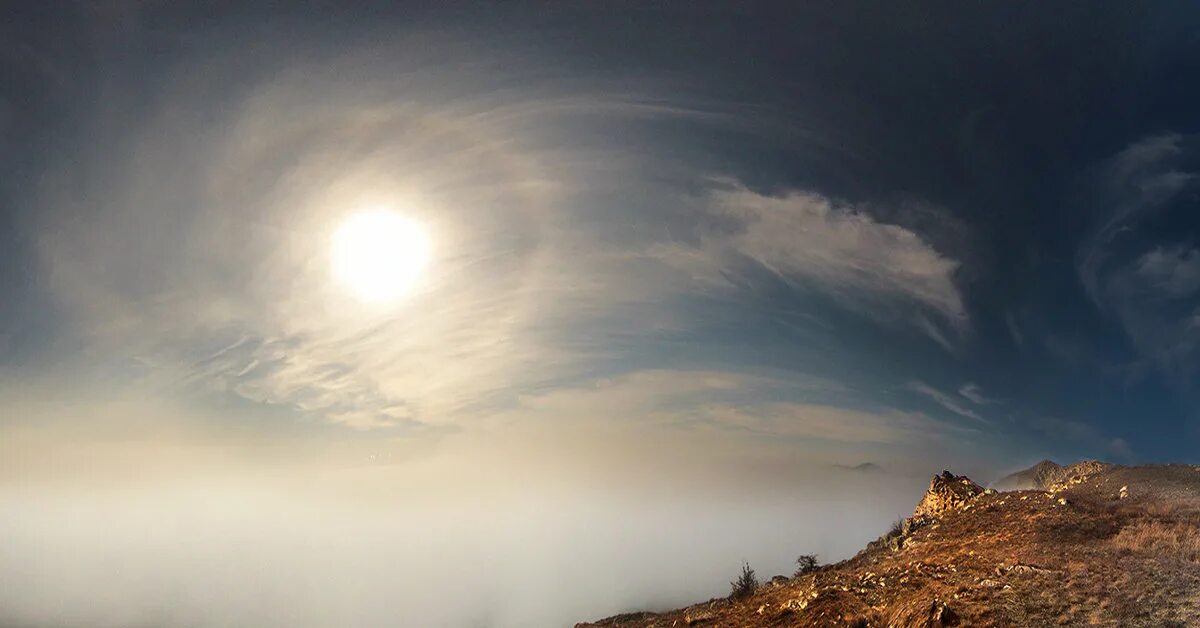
1009,559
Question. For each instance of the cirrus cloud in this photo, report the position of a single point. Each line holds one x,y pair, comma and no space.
884,271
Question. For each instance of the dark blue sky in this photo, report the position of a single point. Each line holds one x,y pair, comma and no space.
981,215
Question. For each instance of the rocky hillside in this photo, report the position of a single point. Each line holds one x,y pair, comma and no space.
1098,545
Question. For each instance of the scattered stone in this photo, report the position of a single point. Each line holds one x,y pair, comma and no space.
1023,569
1124,494
796,604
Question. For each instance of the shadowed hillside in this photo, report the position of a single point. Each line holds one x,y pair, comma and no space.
1100,545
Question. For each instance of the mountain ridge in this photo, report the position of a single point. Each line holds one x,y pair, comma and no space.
1100,545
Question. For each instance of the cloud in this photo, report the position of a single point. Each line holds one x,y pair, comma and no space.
233,294
228,527
806,410
881,270
944,400
619,455
975,394
819,423
1148,283
1131,185
1014,331
1145,154
539,275
1174,271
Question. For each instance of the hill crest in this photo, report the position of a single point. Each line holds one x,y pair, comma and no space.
1102,545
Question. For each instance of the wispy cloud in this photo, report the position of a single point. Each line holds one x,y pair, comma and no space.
1173,271
975,394
526,289
944,400
1133,273
1132,184
827,423
1014,331
880,270
522,291
736,402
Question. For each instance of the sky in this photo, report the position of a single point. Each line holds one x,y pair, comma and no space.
689,264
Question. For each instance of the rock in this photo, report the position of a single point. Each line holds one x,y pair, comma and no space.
912,524
1062,501
797,604
940,616
947,492
1075,474
988,583
1124,493
1023,569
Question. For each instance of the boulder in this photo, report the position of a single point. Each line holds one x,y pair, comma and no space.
947,492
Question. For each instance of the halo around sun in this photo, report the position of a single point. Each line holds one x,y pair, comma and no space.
379,255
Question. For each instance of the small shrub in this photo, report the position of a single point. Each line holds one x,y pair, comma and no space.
806,563
897,527
745,584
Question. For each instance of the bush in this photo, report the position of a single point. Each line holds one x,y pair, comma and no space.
806,563
745,584
897,527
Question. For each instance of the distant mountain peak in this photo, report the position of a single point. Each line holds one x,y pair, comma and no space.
1046,474
862,467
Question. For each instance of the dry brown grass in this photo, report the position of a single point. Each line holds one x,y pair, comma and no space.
1164,539
1092,559
1173,509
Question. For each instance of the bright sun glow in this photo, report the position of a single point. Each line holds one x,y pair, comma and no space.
379,255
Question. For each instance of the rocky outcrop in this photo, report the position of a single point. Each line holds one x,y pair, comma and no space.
1077,473
947,492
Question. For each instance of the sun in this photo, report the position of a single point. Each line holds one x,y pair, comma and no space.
379,255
